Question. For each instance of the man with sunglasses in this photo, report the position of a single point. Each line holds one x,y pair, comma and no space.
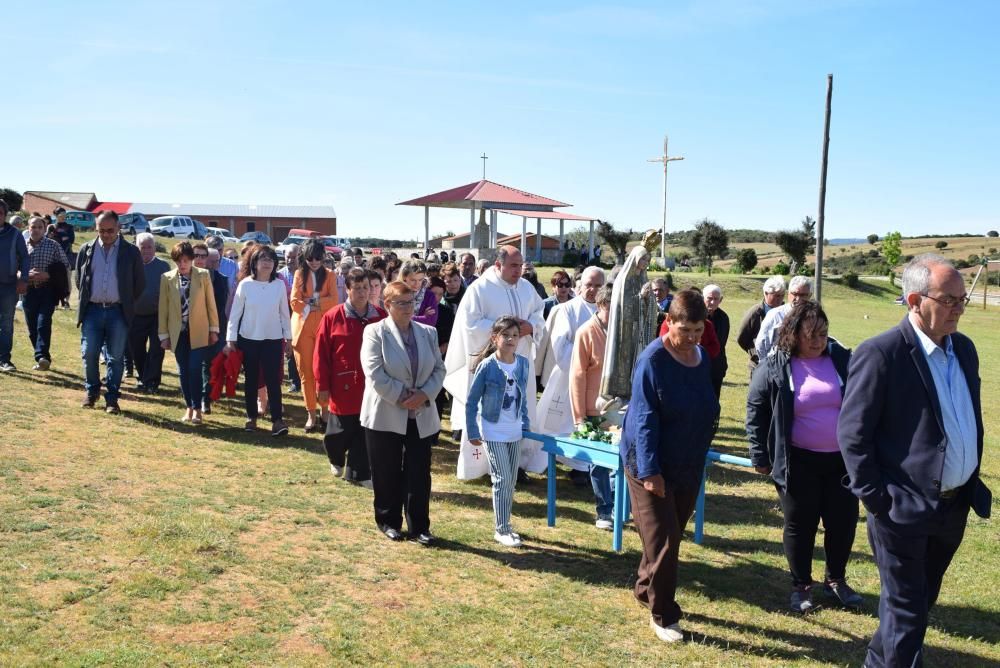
109,278
800,290
911,432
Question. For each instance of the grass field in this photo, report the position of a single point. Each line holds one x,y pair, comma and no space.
135,540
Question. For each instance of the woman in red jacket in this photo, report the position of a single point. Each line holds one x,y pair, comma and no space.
340,380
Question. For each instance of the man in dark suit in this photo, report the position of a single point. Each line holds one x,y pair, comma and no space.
911,432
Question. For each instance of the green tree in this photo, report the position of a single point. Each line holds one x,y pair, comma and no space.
746,260
892,251
615,239
872,238
993,233
941,245
709,240
12,199
798,243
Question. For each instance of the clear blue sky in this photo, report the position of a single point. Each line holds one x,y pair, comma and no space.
362,105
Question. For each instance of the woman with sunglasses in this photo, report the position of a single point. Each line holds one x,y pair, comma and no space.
314,292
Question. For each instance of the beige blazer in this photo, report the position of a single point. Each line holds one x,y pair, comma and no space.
387,371
203,316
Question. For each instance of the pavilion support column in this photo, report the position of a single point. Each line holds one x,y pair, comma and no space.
590,243
561,235
538,240
472,226
493,229
427,229
524,236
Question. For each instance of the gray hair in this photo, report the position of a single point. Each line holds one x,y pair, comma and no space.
144,237
800,282
604,296
483,264
774,285
592,270
411,267
917,273
346,265
215,242
711,289
660,281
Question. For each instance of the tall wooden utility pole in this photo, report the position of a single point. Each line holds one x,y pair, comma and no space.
666,160
822,191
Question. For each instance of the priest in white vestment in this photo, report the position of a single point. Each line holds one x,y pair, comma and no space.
555,414
499,291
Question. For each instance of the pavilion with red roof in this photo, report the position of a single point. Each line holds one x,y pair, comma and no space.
497,198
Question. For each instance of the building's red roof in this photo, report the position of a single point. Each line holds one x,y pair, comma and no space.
118,207
529,238
546,215
483,191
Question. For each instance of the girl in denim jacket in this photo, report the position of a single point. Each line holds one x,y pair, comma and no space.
498,397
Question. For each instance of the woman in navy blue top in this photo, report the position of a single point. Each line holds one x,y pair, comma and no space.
666,434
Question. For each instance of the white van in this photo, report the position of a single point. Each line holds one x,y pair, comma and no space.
180,227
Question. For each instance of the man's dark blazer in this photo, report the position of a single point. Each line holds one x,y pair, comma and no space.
891,432
131,277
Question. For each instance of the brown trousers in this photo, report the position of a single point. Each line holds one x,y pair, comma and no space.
660,523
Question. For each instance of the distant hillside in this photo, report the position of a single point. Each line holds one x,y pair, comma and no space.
846,242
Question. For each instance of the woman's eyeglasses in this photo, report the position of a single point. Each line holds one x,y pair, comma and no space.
564,284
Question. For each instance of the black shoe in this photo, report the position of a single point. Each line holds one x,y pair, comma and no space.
522,477
457,435
89,402
579,478
426,538
278,428
112,409
140,388
801,600
392,534
845,595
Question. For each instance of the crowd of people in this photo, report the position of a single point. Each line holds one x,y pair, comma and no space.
380,347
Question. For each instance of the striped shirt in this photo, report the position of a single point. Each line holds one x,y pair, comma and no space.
44,253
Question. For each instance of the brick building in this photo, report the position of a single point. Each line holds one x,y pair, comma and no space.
274,221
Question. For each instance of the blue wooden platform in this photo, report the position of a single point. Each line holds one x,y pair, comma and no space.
606,455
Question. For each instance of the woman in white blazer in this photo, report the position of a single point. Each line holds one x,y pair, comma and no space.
404,372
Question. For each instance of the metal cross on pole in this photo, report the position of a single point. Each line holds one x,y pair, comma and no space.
666,160
484,158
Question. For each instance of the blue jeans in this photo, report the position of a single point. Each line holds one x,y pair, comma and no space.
103,327
8,302
189,369
39,303
604,491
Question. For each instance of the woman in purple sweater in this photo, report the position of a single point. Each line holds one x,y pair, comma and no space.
792,412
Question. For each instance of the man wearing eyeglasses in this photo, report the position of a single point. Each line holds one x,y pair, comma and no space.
110,277
800,290
911,432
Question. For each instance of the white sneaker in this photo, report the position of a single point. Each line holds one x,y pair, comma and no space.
507,539
670,633
337,471
604,523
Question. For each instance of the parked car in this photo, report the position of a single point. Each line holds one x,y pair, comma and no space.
133,223
259,237
287,244
302,232
226,235
181,227
81,220
200,231
336,245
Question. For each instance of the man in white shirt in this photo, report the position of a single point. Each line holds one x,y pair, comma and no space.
499,291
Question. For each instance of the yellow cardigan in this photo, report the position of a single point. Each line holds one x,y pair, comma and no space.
301,292
203,317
